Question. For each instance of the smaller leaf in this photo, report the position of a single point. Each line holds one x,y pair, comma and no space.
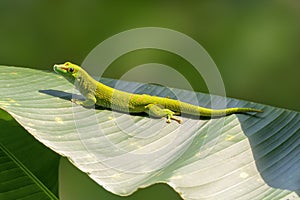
28,170
17,181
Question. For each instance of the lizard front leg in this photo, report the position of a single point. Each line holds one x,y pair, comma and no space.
157,111
90,101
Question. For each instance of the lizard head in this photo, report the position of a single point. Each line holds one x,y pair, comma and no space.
67,70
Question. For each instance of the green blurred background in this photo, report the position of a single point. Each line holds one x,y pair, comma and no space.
255,44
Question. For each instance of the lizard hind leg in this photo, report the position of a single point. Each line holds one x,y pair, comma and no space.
157,111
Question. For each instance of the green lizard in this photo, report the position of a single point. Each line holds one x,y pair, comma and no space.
105,96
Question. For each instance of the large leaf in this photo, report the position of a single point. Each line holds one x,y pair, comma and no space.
235,157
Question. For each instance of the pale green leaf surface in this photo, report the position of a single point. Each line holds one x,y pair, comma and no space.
236,157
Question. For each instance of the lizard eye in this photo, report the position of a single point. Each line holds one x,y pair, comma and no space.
71,69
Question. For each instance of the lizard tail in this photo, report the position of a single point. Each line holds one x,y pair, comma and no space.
230,111
207,112
222,112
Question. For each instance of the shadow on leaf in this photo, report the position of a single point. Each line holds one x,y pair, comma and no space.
275,145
